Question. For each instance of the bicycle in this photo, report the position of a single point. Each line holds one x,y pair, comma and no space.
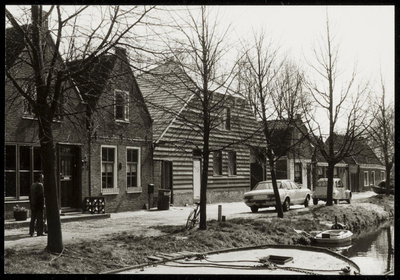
194,217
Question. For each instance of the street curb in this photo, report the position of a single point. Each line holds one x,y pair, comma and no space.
64,219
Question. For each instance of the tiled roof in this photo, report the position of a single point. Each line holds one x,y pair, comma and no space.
166,90
92,81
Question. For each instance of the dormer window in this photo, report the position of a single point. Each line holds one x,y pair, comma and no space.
121,105
226,119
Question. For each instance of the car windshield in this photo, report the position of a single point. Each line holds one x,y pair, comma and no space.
264,186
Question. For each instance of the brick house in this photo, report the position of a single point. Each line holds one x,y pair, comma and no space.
168,92
118,154
293,149
115,161
22,148
365,168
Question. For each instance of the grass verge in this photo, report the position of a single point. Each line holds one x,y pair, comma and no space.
124,249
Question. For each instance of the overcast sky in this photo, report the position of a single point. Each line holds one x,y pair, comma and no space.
365,34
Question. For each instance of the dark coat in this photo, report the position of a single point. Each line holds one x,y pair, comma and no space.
37,196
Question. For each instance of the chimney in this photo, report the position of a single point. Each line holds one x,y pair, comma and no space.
120,52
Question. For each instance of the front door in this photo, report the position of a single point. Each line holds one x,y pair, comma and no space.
67,180
68,169
196,179
166,177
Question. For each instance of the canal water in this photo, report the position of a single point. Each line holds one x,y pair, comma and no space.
372,251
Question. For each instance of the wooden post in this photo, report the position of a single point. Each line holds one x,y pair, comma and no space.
219,213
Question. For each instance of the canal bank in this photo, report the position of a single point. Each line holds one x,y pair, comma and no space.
133,237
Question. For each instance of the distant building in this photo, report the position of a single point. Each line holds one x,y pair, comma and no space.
293,150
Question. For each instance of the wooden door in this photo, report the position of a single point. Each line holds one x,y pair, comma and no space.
67,181
166,177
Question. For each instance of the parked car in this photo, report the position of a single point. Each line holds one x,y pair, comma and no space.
340,192
381,187
290,193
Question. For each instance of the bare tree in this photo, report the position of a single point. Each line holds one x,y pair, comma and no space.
274,88
344,104
194,77
381,132
42,67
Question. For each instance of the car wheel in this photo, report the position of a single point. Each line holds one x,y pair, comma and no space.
336,201
254,209
286,205
307,201
315,201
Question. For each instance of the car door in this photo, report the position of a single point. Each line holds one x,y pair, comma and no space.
290,192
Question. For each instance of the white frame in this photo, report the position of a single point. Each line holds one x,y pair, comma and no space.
373,177
126,105
137,189
366,175
115,170
383,177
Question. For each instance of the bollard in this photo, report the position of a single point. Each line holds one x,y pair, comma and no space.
219,212
223,218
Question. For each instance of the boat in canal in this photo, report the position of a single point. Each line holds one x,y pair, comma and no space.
257,260
333,236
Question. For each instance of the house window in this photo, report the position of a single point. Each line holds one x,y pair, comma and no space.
231,163
383,175
29,110
298,178
217,163
372,177
22,163
366,178
133,169
121,105
226,120
109,170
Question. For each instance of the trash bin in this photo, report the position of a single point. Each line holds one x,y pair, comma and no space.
163,199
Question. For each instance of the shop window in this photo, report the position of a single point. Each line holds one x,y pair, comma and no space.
232,163
108,170
133,169
217,163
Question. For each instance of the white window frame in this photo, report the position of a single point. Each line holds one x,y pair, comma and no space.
373,177
138,188
126,105
383,177
366,176
115,189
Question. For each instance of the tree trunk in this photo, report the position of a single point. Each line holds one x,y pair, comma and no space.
54,239
387,184
275,187
329,201
204,180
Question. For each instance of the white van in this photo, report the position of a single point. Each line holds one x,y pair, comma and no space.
339,191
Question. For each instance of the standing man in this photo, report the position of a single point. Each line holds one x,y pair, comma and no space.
37,205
